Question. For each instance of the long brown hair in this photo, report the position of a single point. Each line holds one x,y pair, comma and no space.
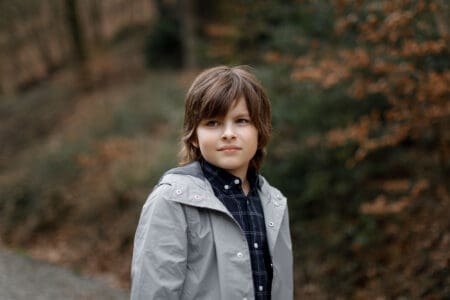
211,94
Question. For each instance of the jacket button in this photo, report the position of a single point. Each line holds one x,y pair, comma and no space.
239,254
178,192
196,197
271,224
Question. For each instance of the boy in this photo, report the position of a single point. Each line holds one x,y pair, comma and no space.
214,228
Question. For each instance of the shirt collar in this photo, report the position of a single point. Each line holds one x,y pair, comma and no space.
216,174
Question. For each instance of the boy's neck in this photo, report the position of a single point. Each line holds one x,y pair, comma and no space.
245,186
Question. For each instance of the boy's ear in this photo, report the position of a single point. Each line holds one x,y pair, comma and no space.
194,143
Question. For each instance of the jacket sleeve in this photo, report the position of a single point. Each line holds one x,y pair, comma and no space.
160,248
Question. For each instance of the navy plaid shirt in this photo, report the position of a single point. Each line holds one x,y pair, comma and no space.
248,212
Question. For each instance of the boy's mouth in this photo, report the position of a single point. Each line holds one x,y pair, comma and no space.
229,148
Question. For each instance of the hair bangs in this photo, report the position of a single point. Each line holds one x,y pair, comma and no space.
220,97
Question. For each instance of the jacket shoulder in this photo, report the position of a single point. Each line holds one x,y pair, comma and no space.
185,189
192,169
182,176
271,193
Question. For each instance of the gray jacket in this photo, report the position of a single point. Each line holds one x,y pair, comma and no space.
188,246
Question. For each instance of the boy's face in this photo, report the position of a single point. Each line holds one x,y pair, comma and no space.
229,142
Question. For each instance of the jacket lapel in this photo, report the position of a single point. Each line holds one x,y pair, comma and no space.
274,206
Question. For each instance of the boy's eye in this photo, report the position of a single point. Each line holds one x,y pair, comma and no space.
211,123
243,121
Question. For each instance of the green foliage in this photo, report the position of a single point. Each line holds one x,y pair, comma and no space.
296,108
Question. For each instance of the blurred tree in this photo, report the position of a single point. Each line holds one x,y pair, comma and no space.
96,17
76,30
189,34
163,45
178,37
361,115
17,36
40,37
80,51
393,58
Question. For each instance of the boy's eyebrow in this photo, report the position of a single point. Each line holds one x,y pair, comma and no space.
240,115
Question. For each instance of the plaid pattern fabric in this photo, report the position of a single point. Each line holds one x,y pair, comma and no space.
248,212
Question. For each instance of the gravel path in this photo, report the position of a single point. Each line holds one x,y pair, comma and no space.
25,278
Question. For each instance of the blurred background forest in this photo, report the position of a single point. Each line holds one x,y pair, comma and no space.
91,100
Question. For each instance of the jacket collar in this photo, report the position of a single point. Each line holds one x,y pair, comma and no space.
192,188
195,190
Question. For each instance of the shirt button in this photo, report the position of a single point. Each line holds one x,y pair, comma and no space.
244,299
271,224
196,197
236,181
239,254
226,186
255,245
261,288
178,192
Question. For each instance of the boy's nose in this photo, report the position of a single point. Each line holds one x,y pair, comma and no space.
228,132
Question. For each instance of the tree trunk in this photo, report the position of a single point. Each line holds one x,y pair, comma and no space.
188,21
75,30
97,22
78,46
